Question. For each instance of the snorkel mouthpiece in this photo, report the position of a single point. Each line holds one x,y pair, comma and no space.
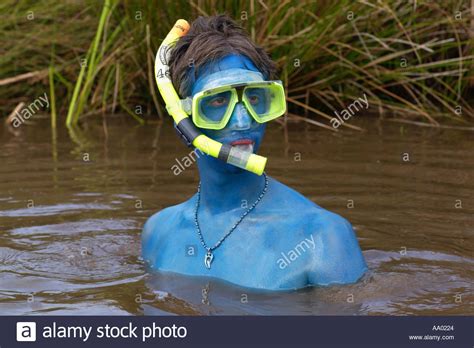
229,154
246,160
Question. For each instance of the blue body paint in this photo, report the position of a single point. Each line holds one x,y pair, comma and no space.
287,242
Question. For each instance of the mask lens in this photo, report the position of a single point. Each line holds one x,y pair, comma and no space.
259,99
265,102
213,108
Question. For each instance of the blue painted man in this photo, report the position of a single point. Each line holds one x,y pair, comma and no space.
250,230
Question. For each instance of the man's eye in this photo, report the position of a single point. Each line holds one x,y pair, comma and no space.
218,101
254,99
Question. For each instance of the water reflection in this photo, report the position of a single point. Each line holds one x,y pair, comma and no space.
70,227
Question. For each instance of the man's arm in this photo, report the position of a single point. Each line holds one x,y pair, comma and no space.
337,258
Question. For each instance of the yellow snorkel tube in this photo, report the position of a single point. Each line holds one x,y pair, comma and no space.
185,126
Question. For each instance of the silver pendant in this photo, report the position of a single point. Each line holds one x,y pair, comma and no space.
208,259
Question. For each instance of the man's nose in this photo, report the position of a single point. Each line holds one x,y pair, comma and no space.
240,119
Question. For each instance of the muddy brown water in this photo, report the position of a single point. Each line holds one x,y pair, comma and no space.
72,209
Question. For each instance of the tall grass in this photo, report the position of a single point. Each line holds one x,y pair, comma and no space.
413,59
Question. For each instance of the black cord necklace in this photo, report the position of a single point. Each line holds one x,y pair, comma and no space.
209,255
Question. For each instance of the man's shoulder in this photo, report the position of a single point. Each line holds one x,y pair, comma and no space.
324,225
305,217
288,198
328,222
175,215
336,257
301,207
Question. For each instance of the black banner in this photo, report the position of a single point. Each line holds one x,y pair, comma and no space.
231,331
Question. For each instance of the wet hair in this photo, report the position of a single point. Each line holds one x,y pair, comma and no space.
208,40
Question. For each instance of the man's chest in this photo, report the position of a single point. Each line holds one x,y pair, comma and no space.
257,253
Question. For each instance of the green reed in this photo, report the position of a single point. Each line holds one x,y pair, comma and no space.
413,59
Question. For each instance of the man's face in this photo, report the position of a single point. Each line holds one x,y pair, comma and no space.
241,130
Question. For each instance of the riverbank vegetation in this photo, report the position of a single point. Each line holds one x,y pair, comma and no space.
414,60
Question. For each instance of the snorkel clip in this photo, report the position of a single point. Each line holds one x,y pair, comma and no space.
182,136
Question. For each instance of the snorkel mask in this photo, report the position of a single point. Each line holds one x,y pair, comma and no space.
212,108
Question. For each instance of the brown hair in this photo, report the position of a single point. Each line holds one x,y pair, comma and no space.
208,40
